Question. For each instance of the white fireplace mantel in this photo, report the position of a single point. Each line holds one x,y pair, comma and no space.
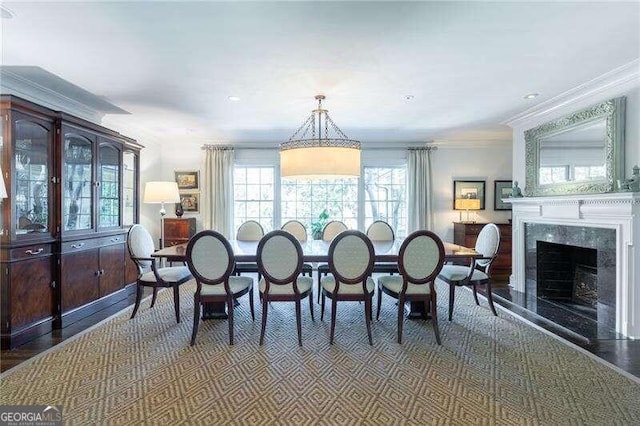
619,211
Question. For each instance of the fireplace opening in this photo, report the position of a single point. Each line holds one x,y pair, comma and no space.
568,275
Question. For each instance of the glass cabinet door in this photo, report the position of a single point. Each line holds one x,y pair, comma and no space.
129,188
32,162
77,183
108,186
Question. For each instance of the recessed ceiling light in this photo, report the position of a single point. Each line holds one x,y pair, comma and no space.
233,98
408,97
531,95
6,13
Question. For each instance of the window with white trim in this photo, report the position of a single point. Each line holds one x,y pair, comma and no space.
304,200
253,195
385,191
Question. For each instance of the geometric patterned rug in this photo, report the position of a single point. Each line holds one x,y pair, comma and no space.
489,370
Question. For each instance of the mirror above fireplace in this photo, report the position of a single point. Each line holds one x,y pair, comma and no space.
580,153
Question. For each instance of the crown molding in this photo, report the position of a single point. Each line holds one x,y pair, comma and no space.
471,143
25,82
624,77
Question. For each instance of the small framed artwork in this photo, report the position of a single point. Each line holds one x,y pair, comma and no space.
469,189
502,189
190,202
188,179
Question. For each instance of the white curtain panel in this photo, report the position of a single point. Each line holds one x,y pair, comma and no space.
419,206
218,187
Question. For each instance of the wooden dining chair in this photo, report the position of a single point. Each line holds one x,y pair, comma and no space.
298,230
280,263
140,245
248,231
420,260
329,232
381,231
211,260
487,244
351,257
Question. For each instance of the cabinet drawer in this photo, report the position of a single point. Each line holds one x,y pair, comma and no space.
29,252
79,245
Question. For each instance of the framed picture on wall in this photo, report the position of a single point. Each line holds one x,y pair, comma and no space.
188,179
190,202
501,189
468,190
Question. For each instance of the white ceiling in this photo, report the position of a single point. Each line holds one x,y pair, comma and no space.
172,65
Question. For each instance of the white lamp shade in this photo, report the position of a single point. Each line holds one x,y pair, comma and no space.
161,192
319,162
3,189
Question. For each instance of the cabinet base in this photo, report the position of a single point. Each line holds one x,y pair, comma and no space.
97,305
10,341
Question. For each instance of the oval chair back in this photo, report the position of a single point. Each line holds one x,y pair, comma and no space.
297,229
140,245
250,231
380,231
351,258
210,258
280,259
332,229
487,243
421,258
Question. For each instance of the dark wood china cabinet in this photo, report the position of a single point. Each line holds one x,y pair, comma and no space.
72,195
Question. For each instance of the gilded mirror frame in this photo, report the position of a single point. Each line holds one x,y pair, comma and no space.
613,112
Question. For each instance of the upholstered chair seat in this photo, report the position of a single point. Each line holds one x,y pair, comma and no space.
236,285
140,245
280,264
394,283
420,260
211,260
487,244
329,284
304,285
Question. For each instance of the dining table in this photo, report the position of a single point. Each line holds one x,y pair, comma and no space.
317,251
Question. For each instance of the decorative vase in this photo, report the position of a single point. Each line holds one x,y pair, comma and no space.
179,210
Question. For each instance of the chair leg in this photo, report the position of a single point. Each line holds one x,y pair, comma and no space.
253,315
400,317
230,311
176,301
311,305
138,299
490,298
368,311
155,295
475,293
264,317
319,286
434,318
452,295
299,322
379,303
196,319
322,308
334,308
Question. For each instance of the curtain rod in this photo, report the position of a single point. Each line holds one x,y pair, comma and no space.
220,147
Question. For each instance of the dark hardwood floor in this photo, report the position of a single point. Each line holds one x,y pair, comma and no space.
624,353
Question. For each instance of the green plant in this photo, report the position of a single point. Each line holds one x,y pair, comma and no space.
318,225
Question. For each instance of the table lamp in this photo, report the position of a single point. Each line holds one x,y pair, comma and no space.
160,193
467,204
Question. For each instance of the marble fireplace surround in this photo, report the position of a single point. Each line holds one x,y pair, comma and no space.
617,211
